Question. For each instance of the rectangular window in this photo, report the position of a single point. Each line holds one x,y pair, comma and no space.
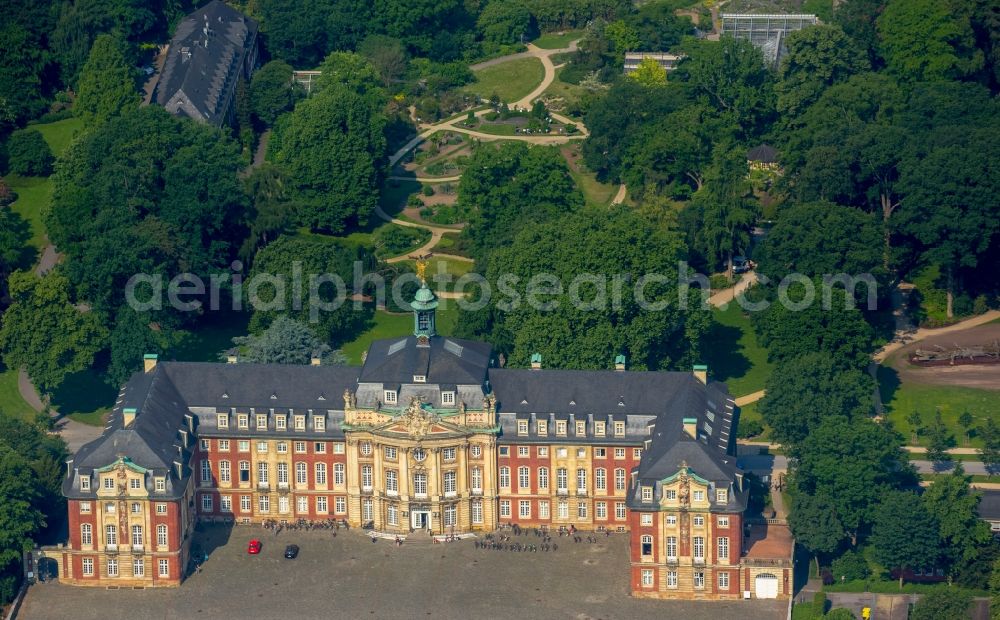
522,427
670,495
85,483
505,477
206,503
136,508
723,521
562,508
524,509
300,447
138,567
619,511
600,453
302,504
671,547
449,483
522,451
109,482
619,453
226,503
390,453
450,515
264,503
581,480
135,484
619,429
671,519
599,429
543,451
447,398
671,579
505,508
723,581
391,482
477,511
581,428
84,507
476,479
225,475
321,506
244,471
698,548
283,504
390,397
161,535
338,448
503,450
393,514
647,578
601,510
320,474
543,427
262,446
338,474
543,510
263,474
699,579
164,568
88,567
319,423
723,548
262,422
600,479
722,496
560,427
282,447
206,471
319,447
243,421
299,422
562,480
243,445
523,478
367,510
223,420
205,443
280,423
223,445
340,505
86,534
161,509
699,521
581,510
448,454
619,479
112,567
160,484
366,477
637,453
698,496
283,475
647,545
647,494
646,519
245,503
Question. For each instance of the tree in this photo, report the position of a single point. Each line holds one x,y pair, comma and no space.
308,258
273,210
623,37
905,535
820,238
107,82
939,441
29,154
965,419
43,333
995,591
814,523
649,73
853,464
349,70
916,423
134,335
851,566
20,517
818,57
803,391
953,504
14,234
657,27
857,18
575,324
989,454
728,209
840,329
924,40
333,149
387,55
502,23
942,603
671,154
272,91
285,341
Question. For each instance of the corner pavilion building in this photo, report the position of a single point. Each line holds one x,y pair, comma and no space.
429,435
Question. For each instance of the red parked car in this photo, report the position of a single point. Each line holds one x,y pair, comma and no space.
254,547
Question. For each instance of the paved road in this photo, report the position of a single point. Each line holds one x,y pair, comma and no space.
903,338
531,53
972,468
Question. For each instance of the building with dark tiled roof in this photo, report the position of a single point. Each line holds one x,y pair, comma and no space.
212,49
429,434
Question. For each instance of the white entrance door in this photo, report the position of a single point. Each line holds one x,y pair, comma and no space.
766,586
418,519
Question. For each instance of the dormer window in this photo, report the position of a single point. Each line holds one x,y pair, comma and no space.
581,428
300,422
420,378
262,422
647,494
670,495
722,496
560,427
160,485
390,397
599,429
619,429
243,421
447,398
698,496
319,423
543,427
222,420
280,423
522,427
108,482
85,483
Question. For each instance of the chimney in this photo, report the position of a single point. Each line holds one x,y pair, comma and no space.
691,427
536,360
149,361
701,373
619,362
232,358
315,360
128,416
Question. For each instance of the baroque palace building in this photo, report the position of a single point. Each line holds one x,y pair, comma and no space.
429,434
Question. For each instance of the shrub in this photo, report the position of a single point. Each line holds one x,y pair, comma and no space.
428,190
394,240
942,603
414,201
819,603
840,614
749,428
850,566
29,154
980,305
426,212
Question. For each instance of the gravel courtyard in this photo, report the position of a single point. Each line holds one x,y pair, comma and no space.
348,576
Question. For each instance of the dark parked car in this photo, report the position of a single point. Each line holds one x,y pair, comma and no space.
291,551
741,264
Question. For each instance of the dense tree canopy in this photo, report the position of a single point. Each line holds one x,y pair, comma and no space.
929,39
904,533
272,91
107,82
285,341
817,58
29,154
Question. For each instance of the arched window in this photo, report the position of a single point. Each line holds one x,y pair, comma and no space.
619,479
161,535
338,473
647,544
505,477
301,477
523,477
86,534
543,477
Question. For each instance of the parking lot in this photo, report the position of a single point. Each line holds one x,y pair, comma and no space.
348,576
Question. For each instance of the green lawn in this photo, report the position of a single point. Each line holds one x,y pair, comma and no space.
570,93
435,265
733,354
509,80
496,129
900,399
60,133
557,40
594,192
33,196
388,325
11,403
85,397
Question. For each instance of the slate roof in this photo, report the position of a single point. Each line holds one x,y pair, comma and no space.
765,154
204,61
445,360
989,505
